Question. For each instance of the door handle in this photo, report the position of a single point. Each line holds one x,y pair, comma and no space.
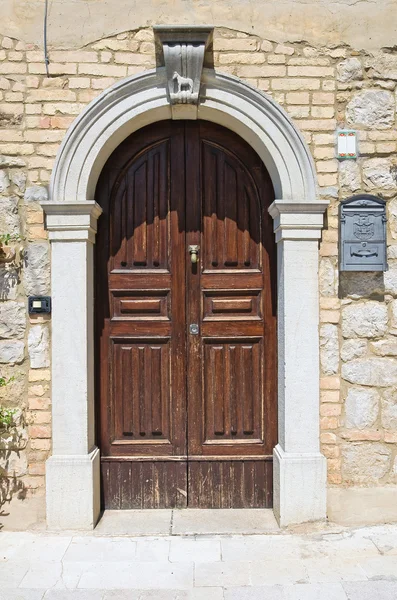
193,251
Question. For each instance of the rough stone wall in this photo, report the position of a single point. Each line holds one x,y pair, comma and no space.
321,89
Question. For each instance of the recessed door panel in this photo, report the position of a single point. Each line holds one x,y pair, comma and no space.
185,321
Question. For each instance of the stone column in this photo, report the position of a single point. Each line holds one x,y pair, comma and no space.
72,472
299,467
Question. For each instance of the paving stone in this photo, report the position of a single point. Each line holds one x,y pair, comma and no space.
42,548
274,592
21,594
384,538
326,591
196,550
261,547
100,549
11,573
147,595
206,594
149,575
324,570
148,550
272,572
42,575
222,574
74,595
371,590
381,567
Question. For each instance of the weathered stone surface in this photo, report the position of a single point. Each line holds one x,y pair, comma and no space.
390,278
11,161
361,408
39,347
353,349
393,317
355,284
36,193
14,464
9,218
365,462
328,278
379,173
37,269
373,108
383,66
11,351
349,70
366,320
4,182
349,175
392,217
12,320
329,349
384,347
381,372
18,178
389,409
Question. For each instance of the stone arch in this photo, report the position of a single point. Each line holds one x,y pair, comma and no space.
73,478
140,100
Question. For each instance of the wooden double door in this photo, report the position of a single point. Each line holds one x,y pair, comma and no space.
186,321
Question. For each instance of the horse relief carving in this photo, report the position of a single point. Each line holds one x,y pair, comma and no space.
184,89
185,84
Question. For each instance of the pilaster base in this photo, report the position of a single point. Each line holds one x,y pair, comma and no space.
300,493
73,491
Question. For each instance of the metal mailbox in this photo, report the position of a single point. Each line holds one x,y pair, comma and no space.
363,234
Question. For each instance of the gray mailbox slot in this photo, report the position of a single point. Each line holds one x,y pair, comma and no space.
363,234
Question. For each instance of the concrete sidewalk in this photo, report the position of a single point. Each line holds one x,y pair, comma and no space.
322,562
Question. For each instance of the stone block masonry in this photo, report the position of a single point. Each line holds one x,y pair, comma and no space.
321,88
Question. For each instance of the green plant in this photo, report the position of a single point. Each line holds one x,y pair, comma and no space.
7,417
6,414
6,238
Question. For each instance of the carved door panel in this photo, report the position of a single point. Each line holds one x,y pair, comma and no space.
231,296
141,321
187,418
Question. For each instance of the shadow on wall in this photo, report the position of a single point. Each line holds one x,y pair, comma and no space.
12,450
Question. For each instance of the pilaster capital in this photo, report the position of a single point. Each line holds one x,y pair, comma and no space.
298,220
71,221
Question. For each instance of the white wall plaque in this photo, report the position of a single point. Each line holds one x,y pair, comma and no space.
346,143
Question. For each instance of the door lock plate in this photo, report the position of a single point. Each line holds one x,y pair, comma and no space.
194,329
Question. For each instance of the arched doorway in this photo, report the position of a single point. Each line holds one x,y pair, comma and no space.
73,470
186,321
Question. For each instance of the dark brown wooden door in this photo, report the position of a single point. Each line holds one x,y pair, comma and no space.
186,352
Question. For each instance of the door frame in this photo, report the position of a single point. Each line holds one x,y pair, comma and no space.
73,480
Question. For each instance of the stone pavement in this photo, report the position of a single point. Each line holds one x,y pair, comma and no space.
318,562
